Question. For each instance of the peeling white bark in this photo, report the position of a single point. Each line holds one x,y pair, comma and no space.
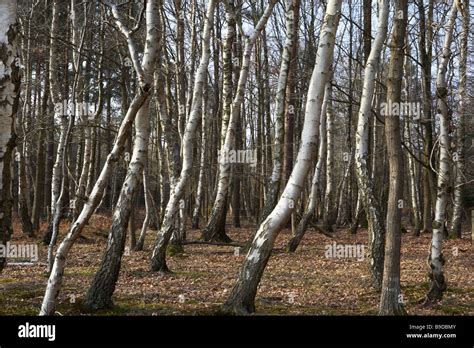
279,117
9,99
436,259
151,50
310,211
243,294
229,141
366,188
159,251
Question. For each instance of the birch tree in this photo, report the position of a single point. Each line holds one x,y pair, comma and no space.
366,189
9,103
203,161
212,231
215,229
159,251
279,117
241,299
59,113
143,92
425,47
436,259
309,213
103,286
329,206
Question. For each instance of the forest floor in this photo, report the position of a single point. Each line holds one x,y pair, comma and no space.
305,282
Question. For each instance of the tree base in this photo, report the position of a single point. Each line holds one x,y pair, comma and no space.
97,303
160,266
437,288
238,307
392,309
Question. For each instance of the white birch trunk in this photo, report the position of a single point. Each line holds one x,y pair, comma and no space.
243,294
328,212
57,272
275,179
202,163
148,211
103,285
9,99
436,259
60,112
211,232
315,183
365,185
158,258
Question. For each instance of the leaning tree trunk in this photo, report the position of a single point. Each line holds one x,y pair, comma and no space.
9,102
242,297
103,286
365,184
66,127
159,252
279,118
436,259
455,230
316,182
391,302
56,276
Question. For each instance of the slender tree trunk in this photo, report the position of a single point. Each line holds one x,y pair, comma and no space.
103,286
291,96
203,162
242,297
279,118
38,203
215,229
148,212
171,134
436,259
425,55
413,184
159,252
329,207
60,112
365,184
309,213
390,302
